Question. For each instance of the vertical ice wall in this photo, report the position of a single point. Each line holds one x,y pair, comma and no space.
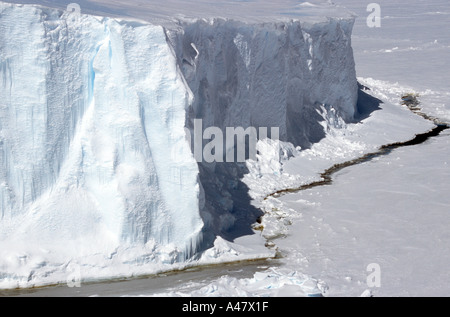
268,74
93,148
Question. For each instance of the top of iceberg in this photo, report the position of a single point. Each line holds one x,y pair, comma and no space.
252,11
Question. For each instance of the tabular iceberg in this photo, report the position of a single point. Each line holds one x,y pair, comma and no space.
96,169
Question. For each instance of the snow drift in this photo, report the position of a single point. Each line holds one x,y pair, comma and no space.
95,167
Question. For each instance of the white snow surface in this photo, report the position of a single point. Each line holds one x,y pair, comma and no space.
97,176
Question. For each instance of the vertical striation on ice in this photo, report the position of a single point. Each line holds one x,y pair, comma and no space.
268,74
90,116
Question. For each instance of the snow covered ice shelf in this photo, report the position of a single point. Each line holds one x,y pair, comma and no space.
97,177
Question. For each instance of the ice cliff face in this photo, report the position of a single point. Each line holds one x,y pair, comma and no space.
95,168
268,74
262,75
90,115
